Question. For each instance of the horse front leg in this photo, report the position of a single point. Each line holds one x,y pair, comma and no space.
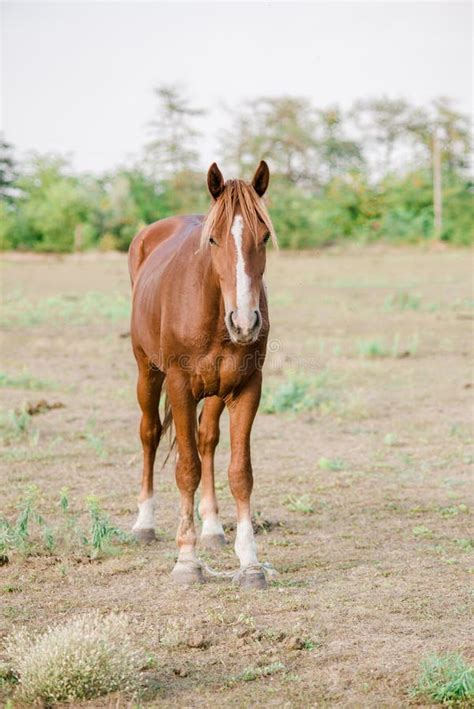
188,474
242,410
212,533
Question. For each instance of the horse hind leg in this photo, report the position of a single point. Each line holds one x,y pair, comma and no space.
149,386
212,533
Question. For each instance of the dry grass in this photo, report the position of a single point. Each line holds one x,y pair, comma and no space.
363,501
84,658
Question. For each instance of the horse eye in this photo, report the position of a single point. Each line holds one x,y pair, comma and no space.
266,237
212,241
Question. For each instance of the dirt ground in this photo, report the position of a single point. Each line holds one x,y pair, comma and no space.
362,501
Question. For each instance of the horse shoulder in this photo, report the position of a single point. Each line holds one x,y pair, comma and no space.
152,236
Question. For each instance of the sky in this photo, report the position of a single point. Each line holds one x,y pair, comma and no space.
77,77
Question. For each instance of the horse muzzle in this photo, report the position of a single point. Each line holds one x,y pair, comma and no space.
243,328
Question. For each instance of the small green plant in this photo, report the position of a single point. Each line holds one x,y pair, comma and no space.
102,532
333,464
17,536
95,440
86,657
446,679
24,381
253,673
300,504
402,301
297,393
372,348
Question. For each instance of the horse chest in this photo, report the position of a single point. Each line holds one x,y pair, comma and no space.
218,374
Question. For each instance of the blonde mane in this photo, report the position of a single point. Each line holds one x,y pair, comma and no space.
221,213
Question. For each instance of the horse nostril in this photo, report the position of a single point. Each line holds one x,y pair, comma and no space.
258,319
235,327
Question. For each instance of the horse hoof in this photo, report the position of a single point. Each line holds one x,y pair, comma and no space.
187,572
144,536
252,580
212,542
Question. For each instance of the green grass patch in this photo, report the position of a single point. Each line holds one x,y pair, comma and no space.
302,504
402,301
70,309
446,679
298,393
25,380
333,464
253,673
31,534
379,347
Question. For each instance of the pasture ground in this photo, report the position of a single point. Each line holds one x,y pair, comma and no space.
361,493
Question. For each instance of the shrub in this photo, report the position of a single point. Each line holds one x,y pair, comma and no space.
84,658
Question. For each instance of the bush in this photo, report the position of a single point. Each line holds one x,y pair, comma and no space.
85,658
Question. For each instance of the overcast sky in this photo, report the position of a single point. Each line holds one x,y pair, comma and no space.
78,77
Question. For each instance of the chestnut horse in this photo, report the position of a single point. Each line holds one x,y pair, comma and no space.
200,320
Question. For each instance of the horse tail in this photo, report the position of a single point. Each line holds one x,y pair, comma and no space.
168,427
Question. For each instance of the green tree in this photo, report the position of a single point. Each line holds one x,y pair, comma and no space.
172,148
8,170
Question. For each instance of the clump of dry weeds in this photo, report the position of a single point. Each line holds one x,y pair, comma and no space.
87,657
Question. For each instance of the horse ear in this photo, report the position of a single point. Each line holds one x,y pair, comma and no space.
261,178
215,181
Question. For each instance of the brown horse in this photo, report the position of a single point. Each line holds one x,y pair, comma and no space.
200,320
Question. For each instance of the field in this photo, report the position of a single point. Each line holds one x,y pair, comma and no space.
362,460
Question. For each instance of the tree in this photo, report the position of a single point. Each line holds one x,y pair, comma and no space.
280,130
384,127
172,148
8,172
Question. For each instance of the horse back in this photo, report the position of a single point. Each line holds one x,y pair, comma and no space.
149,238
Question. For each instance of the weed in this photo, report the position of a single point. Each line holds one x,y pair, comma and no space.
379,348
85,658
402,301
24,381
253,673
300,504
15,424
446,679
297,393
422,531
331,464
102,532
95,441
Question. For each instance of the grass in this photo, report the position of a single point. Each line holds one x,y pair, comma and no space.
70,309
446,679
25,380
333,464
378,347
253,673
402,301
297,393
86,657
31,534
300,504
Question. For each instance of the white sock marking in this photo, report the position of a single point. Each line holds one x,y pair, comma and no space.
242,280
245,546
212,526
146,514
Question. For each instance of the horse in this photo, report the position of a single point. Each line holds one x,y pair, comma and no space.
200,326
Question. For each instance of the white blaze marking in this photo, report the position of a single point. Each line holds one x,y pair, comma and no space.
245,546
146,514
242,280
212,526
